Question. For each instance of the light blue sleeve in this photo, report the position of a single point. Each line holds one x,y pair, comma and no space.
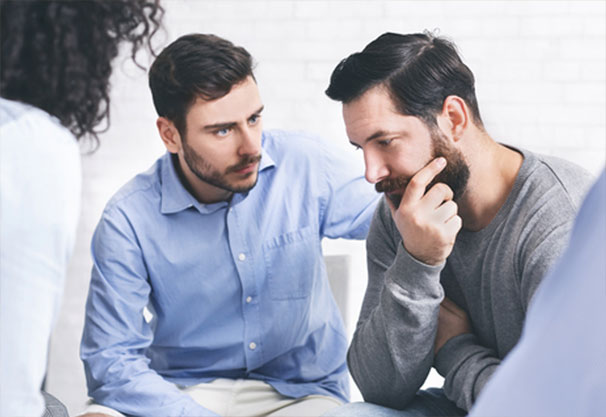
116,333
558,366
350,201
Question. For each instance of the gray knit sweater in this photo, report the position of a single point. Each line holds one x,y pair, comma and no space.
491,274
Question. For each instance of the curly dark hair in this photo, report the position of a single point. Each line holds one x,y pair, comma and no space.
57,55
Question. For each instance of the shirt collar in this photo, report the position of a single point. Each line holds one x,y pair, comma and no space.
266,161
176,198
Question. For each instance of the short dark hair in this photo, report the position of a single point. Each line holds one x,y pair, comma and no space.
195,65
57,55
419,70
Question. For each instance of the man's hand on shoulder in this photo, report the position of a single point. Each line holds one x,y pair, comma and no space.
452,321
427,221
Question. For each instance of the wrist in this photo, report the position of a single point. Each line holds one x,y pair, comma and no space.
424,259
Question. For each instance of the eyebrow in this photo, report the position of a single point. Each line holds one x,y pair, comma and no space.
375,135
228,125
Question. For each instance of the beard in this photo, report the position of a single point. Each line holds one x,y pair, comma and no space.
204,170
455,174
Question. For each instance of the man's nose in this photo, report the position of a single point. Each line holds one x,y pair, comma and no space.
376,169
250,142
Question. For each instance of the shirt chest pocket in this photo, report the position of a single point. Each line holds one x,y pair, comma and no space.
291,263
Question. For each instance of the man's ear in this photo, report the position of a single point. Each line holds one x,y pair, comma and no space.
169,134
454,118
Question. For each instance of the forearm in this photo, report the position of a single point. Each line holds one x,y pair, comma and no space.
392,349
466,367
130,387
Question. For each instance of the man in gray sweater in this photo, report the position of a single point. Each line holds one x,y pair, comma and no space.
468,230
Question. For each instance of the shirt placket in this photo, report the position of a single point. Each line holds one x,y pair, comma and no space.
245,265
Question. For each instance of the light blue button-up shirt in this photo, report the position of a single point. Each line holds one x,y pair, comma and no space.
237,289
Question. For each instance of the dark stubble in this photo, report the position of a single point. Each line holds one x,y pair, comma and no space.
205,171
455,174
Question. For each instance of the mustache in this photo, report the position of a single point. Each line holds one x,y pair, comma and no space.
246,161
389,185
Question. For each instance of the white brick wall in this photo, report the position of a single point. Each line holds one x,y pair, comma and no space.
539,65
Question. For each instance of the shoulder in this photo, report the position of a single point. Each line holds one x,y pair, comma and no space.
139,192
548,194
295,144
40,176
304,146
296,150
565,182
34,128
35,149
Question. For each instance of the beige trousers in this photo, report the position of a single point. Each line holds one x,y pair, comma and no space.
246,397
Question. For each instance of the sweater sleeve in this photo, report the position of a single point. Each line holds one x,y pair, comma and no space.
467,365
392,349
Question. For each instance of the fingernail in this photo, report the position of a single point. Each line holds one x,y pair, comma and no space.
441,161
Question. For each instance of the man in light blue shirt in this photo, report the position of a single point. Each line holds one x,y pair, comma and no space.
221,240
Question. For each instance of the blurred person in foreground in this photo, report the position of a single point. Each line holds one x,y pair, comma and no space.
466,231
221,240
54,85
558,367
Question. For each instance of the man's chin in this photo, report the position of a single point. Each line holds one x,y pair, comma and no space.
243,188
395,198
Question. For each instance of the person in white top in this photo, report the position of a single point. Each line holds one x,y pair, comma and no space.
54,86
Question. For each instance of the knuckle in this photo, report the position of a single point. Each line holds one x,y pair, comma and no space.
445,237
416,220
443,188
446,189
458,222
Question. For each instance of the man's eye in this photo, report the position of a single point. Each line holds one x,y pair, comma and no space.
254,119
222,132
384,142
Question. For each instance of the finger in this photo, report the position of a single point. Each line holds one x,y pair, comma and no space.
453,226
446,211
436,195
419,182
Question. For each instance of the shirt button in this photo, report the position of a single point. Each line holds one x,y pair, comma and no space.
241,257
248,299
252,345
